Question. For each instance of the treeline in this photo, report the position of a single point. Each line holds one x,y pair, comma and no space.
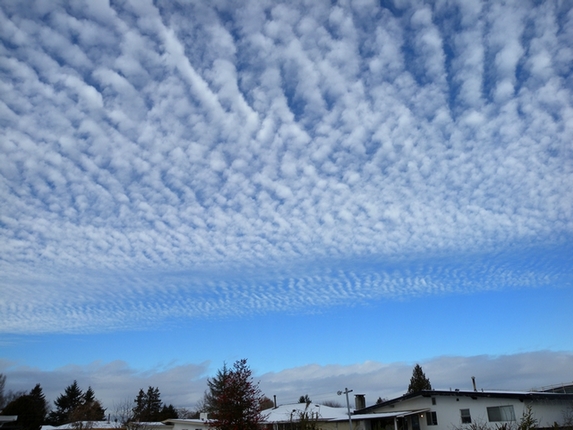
75,405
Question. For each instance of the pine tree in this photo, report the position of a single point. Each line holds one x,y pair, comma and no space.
76,406
65,404
418,382
140,404
168,412
90,408
233,399
148,405
154,403
89,396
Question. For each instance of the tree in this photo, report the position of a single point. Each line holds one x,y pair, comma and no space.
123,412
304,399
233,399
30,408
168,412
418,382
2,388
76,406
266,403
65,404
187,413
528,421
7,397
147,405
149,408
90,408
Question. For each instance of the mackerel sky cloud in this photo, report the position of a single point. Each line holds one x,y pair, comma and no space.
183,162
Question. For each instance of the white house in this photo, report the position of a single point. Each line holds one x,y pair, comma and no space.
447,410
79,425
109,425
326,418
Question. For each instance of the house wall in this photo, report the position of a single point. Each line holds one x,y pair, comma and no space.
447,408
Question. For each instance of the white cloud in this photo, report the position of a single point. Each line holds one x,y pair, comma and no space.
136,138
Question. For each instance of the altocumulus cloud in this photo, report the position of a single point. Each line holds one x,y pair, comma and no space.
156,150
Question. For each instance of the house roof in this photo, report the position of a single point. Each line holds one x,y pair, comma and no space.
108,425
194,421
521,395
7,419
100,425
381,415
291,412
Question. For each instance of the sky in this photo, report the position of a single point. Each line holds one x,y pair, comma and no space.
335,191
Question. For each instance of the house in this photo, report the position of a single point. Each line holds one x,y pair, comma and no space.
108,425
448,410
285,417
85,425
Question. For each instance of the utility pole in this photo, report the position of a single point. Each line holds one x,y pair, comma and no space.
346,391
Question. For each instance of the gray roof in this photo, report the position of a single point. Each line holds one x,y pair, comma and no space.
521,395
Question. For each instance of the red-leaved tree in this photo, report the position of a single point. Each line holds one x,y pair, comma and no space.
233,399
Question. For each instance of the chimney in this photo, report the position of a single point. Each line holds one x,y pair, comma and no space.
359,401
474,383
275,400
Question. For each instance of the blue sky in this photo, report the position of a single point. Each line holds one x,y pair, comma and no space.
334,191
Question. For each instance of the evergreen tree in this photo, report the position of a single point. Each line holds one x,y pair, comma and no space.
233,399
30,408
89,396
76,406
418,382
90,408
65,405
304,399
93,410
148,405
139,408
168,412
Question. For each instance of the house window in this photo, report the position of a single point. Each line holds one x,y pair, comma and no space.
500,413
466,417
433,400
431,418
